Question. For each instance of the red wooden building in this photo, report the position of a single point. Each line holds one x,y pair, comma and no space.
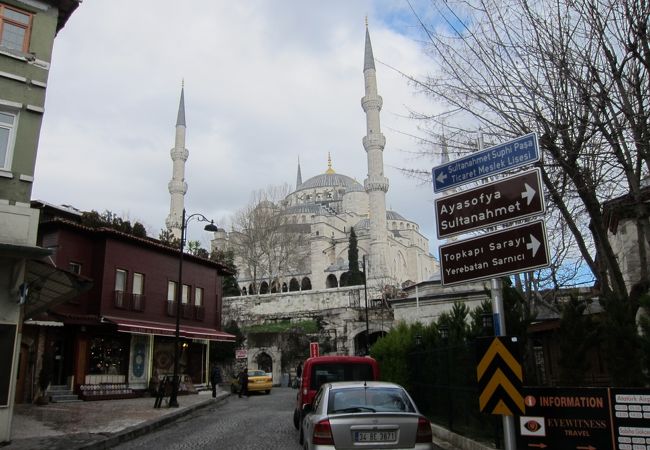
119,336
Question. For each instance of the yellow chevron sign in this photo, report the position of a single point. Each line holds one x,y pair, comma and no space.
500,376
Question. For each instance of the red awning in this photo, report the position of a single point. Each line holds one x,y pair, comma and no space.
167,329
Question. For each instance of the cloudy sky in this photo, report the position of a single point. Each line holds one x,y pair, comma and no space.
266,83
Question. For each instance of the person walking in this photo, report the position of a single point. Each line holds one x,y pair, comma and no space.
243,382
215,379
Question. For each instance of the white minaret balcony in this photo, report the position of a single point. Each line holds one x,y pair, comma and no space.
370,102
376,183
374,141
177,187
179,154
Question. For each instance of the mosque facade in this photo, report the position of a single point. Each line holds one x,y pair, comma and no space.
325,208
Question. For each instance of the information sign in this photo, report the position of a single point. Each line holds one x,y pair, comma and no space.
506,252
509,199
511,155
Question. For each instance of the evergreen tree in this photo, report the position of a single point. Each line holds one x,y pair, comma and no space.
227,258
355,277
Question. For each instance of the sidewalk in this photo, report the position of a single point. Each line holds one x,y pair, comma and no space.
97,424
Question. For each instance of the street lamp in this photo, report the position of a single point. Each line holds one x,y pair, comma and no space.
173,398
365,293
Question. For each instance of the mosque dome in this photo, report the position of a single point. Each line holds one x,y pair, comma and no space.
331,180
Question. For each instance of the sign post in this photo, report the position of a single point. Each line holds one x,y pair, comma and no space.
502,253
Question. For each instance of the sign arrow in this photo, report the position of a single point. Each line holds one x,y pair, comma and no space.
534,245
529,194
541,445
441,178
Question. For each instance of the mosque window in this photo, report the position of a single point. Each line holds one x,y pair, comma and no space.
15,28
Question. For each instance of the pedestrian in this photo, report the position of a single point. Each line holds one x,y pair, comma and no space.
243,382
215,379
299,370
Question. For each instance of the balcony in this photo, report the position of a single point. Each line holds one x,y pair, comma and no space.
137,302
187,311
120,300
128,301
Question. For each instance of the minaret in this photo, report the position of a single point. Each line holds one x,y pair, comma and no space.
298,176
376,185
177,186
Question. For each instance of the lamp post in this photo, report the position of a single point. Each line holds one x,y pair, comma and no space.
365,293
173,398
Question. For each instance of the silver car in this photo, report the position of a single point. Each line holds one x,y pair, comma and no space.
364,415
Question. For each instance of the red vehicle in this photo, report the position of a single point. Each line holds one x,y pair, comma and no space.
325,369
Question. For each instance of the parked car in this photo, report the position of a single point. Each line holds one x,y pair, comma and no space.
258,381
373,414
324,369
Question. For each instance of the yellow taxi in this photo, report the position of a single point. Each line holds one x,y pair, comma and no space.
258,381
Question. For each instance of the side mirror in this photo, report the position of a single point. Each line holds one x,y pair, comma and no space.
307,408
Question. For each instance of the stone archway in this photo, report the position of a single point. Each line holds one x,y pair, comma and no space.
357,338
263,357
264,362
331,281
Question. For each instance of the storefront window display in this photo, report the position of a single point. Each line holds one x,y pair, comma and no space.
109,355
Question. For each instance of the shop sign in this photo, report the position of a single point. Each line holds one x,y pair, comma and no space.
585,418
241,353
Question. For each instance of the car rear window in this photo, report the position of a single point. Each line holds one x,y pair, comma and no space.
330,372
256,373
346,400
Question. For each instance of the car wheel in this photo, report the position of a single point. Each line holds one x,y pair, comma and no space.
296,423
267,392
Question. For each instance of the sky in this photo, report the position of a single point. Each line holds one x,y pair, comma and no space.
267,83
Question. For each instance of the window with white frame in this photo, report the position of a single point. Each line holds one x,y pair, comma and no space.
198,296
15,28
171,291
120,280
186,294
74,267
138,283
7,131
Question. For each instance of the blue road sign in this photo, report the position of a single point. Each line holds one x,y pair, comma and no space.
511,155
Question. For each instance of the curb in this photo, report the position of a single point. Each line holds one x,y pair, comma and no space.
147,427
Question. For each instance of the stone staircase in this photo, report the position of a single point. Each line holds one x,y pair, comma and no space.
62,394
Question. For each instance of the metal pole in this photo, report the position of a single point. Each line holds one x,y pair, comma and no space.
498,318
173,398
365,293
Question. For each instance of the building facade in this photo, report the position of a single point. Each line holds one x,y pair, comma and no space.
27,32
121,333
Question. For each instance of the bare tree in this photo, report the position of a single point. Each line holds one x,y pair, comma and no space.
266,245
577,74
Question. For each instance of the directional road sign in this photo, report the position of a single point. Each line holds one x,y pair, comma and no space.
499,376
516,153
505,200
505,252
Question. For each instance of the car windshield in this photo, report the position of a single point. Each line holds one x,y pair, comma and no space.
330,372
256,373
362,399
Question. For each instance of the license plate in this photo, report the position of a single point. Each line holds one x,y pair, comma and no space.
375,436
